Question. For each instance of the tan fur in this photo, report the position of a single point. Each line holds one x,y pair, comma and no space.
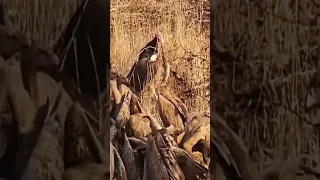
197,129
124,112
139,125
171,112
135,106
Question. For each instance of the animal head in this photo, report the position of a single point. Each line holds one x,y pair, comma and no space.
158,36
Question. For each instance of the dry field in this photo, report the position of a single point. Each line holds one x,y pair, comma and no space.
184,26
262,92
185,29
41,20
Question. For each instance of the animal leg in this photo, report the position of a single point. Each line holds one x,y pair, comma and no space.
170,129
180,136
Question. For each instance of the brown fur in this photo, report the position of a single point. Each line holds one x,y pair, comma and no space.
122,117
139,125
172,111
197,130
115,99
154,166
188,165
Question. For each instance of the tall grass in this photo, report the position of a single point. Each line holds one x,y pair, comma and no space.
185,28
276,44
184,25
41,20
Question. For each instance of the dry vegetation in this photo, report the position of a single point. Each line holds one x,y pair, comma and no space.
185,28
41,20
184,25
261,93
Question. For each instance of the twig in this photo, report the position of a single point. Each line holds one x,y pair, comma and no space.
76,62
97,80
286,79
201,86
176,75
73,35
95,140
165,66
194,55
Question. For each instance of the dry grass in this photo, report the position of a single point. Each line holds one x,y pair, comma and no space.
41,20
277,44
185,27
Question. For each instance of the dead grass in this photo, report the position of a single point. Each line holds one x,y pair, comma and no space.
277,46
41,20
185,28
184,25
